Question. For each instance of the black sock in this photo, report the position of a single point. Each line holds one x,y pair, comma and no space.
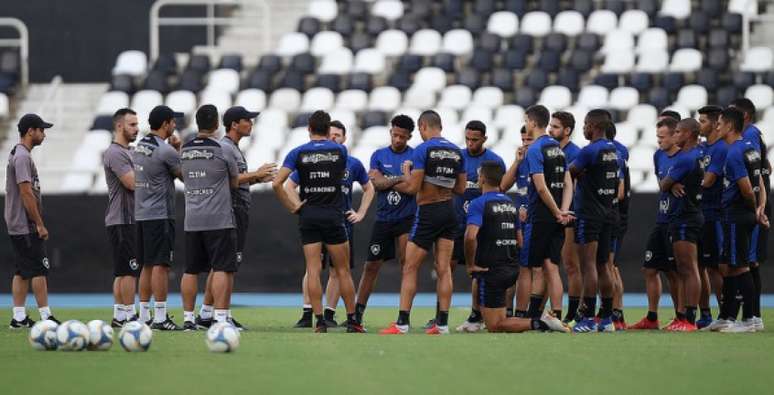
747,289
572,308
652,316
475,316
329,313
442,319
307,314
756,279
403,317
617,315
538,325
588,308
359,311
320,320
534,306
607,308
520,314
558,314
729,297
509,312
705,313
690,314
437,309
351,318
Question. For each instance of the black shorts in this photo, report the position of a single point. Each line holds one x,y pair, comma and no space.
546,243
588,231
322,225
434,221
242,219
30,253
156,242
738,243
326,258
658,252
384,235
122,241
710,244
684,232
493,285
211,250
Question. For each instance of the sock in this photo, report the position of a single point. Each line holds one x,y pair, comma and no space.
220,315
228,312
520,314
437,309
159,312
206,312
188,316
534,306
329,313
19,313
128,311
403,317
756,280
351,318
652,316
145,314
747,289
607,308
442,319
307,315
729,305
509,312
359,311
118,312
617,315
680,316
572,309
45,312
690,314
475,316
588,308
320,320
706,313
558,314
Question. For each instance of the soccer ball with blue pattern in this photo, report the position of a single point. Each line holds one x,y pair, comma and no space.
135,336
100,335
222,337
72,336
43,335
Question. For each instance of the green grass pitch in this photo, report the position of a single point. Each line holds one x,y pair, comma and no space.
274,359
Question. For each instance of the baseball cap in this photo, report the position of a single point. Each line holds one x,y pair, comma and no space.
160,114
32,121
235,114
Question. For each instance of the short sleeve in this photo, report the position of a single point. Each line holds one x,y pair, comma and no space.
735,169
583,159
231,163
535,160
361,176
476,212
375,164
290,159
120,164
418,157
171,159
501,163
752,135
461,167
717,160
23,168
294,177
681,168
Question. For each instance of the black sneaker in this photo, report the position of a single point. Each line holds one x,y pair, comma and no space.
236,324
149,322
27,322
354,327
133,318
117,323
202,323
331,323
52,318
430,324
167,325
304,322
189,326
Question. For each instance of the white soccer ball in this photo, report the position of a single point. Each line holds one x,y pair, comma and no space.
43,335
72,336
135,336
222,337
100,335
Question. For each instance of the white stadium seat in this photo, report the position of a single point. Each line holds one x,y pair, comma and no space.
182,101
648,185
482,114
5,107
317,98
144,101
76,182
536,24
430,78
448,117
324,10
623,98
220,99
762,96
641,158
655,61
346,117
686,60
251,99
634,21
601,22
388,9
503,24
456,97
636,178
338,61
352,100
651,39
593,96
679,9
286,99
617,41
626,134
132,62
325,42
375,137
291,44
508,115
642,116
757,60
369,61
489,97
384,98
425,42
556,97
392,42
226,80
619,62
692,97
458,42
274,118
419,98
744,7
108,103
570,23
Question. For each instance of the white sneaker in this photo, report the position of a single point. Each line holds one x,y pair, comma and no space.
718,325
744,326
470,327
758,324
554,323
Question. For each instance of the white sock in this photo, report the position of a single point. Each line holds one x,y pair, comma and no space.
118,312
221,315
229,313
127,309
188,316
145,314
206,312
159,312
307,306
45,312
19,313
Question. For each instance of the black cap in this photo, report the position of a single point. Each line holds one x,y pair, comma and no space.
161,114
32,121
235,114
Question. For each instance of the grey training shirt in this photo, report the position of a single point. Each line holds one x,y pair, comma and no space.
20,169
117,161
207,174
155,165
241,196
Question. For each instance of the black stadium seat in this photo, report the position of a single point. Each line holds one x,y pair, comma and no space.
400,79
582,60
503,79
525,97
454,8
376,25
699,22
157,81
233,62
344,25
123,83
102,122
607,80
708,79
357,9
166,63
768,79
294,79
588,42
304,63
658,97
743,80
8,83
484,7
672,82
518,7
261,79
410,63
585,7
551,7
482,60
522,42
200,63
555,42
718,59
718,38
374,118
270,63
537,80
408,24
442,23
643,82
732,23
616,6
713,9
549,61
361,81
309,26
330,81
725,95
686,38
568,77
444,61
420,9
191,80
360,41
470,78
475,23
650,7
301,120
489,42
514,59
666,22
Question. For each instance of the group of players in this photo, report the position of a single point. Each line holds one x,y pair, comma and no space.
571,207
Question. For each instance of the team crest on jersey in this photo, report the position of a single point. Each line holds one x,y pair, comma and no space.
648,255
133,264
465,206
393,198
45,263
375,249
346,174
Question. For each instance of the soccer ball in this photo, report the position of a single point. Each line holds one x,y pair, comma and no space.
135,336
43,335
72,336
100,335
222,337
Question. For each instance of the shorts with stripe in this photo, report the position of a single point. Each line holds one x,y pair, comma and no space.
493,285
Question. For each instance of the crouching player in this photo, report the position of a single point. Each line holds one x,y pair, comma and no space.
491,254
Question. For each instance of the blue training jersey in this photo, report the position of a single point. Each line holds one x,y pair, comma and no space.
472,190
598,181
441,161
714,160
545,157
321,166
688,170
742,160
661,164
355,173
571,151
498,221
392,205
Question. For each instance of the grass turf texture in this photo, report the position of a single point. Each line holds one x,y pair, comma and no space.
275,359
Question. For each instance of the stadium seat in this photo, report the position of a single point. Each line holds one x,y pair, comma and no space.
686,38
430,78
503,24
469,77
520,42
361,81
555,42
102,122
359,41
757,60
165,63
692,97
699,22
343,24
326,42
503,79
488,97
409,24
273,118
537,80
261,79
400,80
482,114
582,60
514,59
456,97
744,7
285,99
425,42
220,99
569,23
666,23
593,96
226,80
679,9
392,43
157,81
376,24
655,61
251,99
761,95
634,21
182,101
607,80
652,39
718,59
324,10
508,115
107,105
549,61
384,98
642,116
352,100
672,82
458,42
143,101
443,61
303,63
686,60
301,120
601,22
291,44
732,23
708,79
190,80
388,9
270,63
484,7
338,61
743,80
329,81
626,133
317,99
556,97
374,118
309,26
525,97
489,42
617,41
133,63
232,61
449,117
568,77
623,98
618,62
536,24
369,61
718,38
475,23
641,157
550,7
641,81
658,97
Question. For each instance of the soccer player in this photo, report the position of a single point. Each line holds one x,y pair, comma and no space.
684,180
621,225
560,128
550,194
475,154
24,219
355,172
711,240
438,172
321,166
395,208
119,217
156,165
491,253
238,123
744,201
597,170
669,114
658,253
209,176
